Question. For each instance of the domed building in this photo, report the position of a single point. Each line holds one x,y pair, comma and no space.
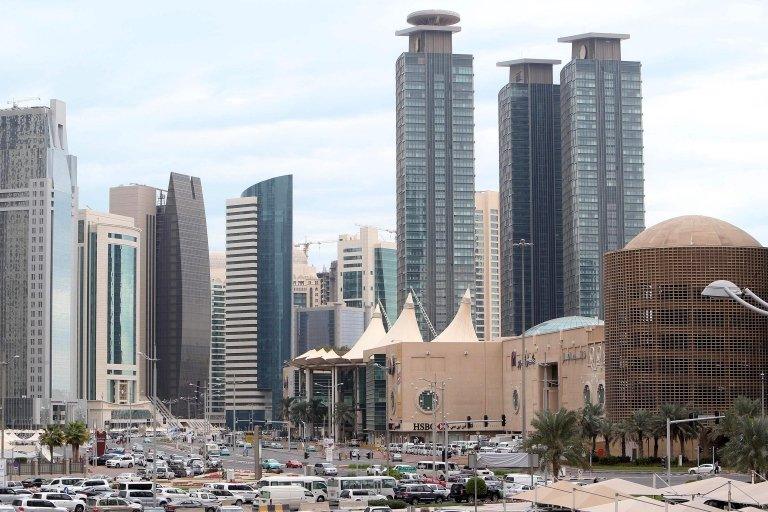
664,341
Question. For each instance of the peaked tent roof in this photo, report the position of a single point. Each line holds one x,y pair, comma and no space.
461,328
370,338
405,328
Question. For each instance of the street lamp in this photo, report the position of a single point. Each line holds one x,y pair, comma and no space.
728,290
2,413
153,363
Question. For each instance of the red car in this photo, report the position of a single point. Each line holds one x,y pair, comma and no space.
293,464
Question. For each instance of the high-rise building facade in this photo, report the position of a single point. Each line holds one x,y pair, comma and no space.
367,272
217,387
38,272
183,295
602,160
275,256
109,316
530,188
327,279
334,325
487,283
435,168
140,203
307,284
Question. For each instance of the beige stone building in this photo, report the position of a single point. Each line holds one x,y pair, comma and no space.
487,273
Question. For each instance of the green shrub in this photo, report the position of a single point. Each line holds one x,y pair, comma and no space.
481,487
393,504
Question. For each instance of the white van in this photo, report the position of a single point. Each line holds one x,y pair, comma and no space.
523,478
244,490
440,468
212,449
291,495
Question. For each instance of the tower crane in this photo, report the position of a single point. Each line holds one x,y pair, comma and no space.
386,230
307,243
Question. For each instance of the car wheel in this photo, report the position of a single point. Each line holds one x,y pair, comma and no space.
439,500
211,509
320,499
78,508
239,503
691,472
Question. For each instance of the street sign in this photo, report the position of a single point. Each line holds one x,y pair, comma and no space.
441,426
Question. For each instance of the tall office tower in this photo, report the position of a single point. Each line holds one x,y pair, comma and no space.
333,278
602,159
275,251
487,293
183,328
435,168
530,188
140,203
307,285
325,286
109,316
366,272
334,325
217,386
38,273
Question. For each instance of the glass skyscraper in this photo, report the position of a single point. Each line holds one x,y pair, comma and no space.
38,272
530,191
602,151
274,283
183,329
435,168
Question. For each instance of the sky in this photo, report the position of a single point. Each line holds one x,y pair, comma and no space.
236,92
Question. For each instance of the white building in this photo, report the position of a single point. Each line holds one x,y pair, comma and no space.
487,276
216,392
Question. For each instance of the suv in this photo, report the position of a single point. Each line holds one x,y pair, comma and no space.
60,499
417,493
325,469
111,504
7,495
459,492
33,505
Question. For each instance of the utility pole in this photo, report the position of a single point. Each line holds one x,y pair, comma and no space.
671,422
257,452
522,244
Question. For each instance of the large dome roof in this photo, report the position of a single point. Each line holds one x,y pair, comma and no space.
692,231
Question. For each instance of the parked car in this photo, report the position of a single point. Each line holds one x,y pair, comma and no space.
224,452
376,470
127,477
95,484
145,498
271,465
186,504
459,493
396,457
293,463
439,489
365,495
228,496
33,505
703,469
101,460
34,482
8,495
326,469
377,509
60,499
209,500
63,484
167,495
14,484
417,493
111,504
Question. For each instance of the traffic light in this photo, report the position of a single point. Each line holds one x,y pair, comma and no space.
369,455
485,421
469,421
717,420
503,420
306,455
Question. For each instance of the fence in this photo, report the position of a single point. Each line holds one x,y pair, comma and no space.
44,467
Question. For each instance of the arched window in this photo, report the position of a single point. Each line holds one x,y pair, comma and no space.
587,394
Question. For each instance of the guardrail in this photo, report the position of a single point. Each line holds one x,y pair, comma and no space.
44,467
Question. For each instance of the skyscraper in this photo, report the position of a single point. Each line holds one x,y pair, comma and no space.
530,188
140,203
109,288
602,159
183,327
367,272
487,284
307,284
216,395
275,255
38,273
435,168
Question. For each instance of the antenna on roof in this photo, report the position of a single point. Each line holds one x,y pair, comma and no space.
423,313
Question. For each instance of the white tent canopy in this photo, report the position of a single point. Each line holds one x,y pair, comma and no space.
370,338
461,328
405,328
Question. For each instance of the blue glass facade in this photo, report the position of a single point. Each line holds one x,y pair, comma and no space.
385,280
275,257
602,139
530,197
121,304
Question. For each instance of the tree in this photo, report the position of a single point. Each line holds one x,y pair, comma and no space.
75,435
622,431
742,407
591,415
658,430
748,449
675,412
640,424
608,432
316,412
557,437
286,407
482,488
344,414
52,437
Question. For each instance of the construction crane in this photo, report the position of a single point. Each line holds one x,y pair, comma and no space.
307,243
386,230
14,102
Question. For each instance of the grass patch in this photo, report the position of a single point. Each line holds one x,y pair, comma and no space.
357,465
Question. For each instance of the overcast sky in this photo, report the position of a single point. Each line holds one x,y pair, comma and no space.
237,92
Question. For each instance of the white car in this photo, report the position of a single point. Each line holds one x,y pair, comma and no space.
365,495
442,491
123,461
704,469
63,484
128,477
170,494
376,470
33,505
70,503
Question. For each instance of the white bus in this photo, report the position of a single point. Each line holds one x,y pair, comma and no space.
316,484
384,485
443,469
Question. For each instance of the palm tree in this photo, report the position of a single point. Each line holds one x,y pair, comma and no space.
556,437
748,450
299,412
742,407
658,430
344,414
316,412
608,432
591,415
52,437
622,431
640,424
286,407
75,435
674,412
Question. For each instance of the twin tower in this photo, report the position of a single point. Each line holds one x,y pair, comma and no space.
570,174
